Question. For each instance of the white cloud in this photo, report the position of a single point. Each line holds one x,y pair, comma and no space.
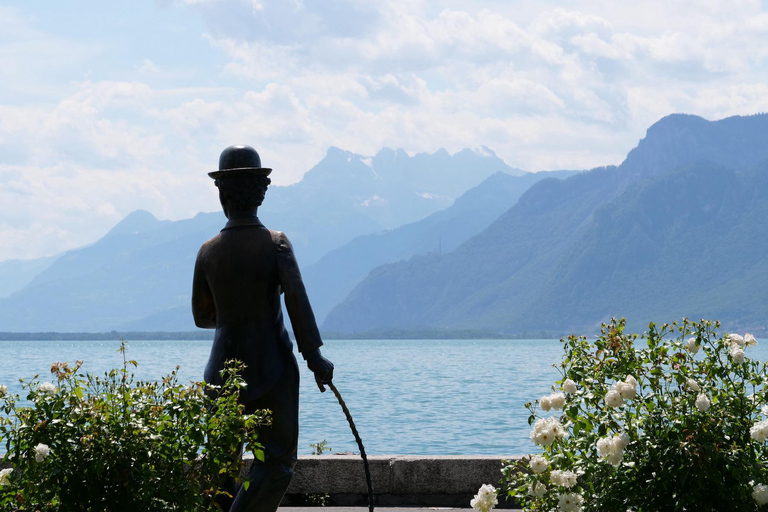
256,60
148,67
541,85
564,23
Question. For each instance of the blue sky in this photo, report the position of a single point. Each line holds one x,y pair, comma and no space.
107,107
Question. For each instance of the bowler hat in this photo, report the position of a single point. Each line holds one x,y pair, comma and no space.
239,160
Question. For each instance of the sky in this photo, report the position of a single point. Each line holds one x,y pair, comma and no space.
109,107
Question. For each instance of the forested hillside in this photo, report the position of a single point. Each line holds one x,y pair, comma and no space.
678,229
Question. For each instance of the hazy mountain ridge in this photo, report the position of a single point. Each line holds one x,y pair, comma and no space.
138,276
565,256
332,278
675,230
347,195
138,221
119,278
15,274
533,231
678,140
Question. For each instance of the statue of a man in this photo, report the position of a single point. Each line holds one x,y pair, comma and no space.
239,276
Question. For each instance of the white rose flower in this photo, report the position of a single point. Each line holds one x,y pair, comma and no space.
702,403
569,479
570,502
5,476
545,403
612,448
760,494
692,385
543,436
47,388
615,458
546,431
557,400
3,390
613,399
538,464
749,340
562,478
41,452
569,386
759,431
737,355
764,410
629,389
604,447
485,499
537,489
691,346
487,492
736,340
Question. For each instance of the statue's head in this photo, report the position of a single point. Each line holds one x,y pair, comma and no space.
241,179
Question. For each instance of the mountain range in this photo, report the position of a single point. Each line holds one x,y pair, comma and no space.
331,279
15,274
678,229
446,243
138,276
346,195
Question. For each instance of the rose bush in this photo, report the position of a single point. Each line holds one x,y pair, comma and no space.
96,443
672,420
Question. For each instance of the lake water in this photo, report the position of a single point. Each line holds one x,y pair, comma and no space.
417,397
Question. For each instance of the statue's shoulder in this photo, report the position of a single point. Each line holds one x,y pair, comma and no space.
209,249
209,244
280,240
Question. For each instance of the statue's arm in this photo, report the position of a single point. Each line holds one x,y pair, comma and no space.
296,300
203,307
300,312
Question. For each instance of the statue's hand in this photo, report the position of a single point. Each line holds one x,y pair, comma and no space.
323,370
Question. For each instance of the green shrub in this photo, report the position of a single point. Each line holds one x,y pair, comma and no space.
96,443
672,420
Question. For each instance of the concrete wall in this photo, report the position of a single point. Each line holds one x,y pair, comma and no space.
440,481
398,480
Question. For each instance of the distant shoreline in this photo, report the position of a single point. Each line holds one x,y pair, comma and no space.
206,334
107,336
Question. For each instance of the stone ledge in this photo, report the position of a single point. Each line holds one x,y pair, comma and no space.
442,481
398,480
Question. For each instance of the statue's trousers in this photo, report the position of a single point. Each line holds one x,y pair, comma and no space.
269,479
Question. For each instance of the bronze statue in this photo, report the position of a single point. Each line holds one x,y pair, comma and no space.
239,276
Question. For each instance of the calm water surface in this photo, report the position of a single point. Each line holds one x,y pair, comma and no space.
416,397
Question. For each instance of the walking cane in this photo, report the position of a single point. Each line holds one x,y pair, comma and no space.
359,444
